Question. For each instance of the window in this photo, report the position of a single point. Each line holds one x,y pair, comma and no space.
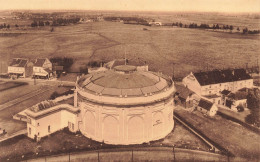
38,124
49,128
38,133
30,131
72,125
209,92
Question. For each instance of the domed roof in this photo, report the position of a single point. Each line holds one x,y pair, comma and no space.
136,83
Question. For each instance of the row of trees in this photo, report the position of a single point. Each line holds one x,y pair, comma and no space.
61,21
57,22
40,23
4,26
217,26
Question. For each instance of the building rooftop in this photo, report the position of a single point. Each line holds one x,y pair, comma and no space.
183,92
42,106
221,76
18,62
239,95
225,92
205,104
137,83
39,62
118,62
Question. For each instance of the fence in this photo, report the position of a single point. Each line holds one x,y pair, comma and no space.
138,154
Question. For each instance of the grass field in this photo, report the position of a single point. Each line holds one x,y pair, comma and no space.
188,49
232,136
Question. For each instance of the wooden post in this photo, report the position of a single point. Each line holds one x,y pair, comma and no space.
132,155
98,156
173,153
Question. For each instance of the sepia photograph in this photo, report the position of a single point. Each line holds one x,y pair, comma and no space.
129,80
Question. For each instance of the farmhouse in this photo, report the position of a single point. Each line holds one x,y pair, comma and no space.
207,107
20,67
213,82
156,23
185,97
42,68
237,101
116,106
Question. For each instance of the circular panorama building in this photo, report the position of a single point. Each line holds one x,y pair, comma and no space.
125,106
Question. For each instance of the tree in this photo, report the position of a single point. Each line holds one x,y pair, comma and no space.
238,29
41,23
245,30
16,25
47,23
180,24
231,28
253,103
8,26
217,26
34,24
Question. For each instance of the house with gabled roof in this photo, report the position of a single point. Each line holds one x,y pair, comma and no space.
185,97
237,101
42,68
213,82
207,107
20,67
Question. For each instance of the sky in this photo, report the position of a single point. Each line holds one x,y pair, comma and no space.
136,5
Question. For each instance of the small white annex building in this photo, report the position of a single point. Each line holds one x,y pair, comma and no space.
42,68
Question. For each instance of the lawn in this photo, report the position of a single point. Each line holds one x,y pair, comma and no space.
64,141
189,49
232,136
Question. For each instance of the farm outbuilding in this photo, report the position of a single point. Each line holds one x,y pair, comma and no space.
20,67
207,107
213,82
185,97
42,68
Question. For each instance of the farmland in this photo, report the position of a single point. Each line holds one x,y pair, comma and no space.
189,49
224,132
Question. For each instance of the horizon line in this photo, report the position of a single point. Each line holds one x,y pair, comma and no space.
107,10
